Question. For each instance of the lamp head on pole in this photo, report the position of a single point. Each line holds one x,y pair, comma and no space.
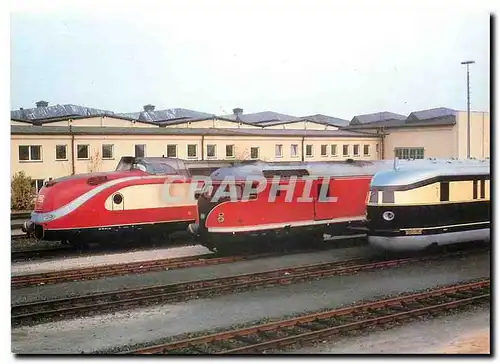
468,62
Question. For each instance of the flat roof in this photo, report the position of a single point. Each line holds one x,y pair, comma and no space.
106,130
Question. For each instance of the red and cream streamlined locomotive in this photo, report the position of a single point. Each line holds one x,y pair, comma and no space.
119,204
301,200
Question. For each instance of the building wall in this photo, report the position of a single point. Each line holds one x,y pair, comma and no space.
14,122
156,145
479,134
438,142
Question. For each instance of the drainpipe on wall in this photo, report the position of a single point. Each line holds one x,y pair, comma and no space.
381,133
72,149
203,147
303,148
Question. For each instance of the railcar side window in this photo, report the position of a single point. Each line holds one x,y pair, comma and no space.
483,183
373,197
444,191
388,197
474,190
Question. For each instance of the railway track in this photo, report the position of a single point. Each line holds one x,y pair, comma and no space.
277,335
26,280
125,299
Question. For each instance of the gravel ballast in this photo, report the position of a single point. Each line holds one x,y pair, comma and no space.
154,323
418,337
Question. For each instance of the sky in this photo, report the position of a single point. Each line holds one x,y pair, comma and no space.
326,57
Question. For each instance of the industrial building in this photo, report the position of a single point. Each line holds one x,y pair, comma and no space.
54,141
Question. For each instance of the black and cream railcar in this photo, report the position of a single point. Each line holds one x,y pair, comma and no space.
437,204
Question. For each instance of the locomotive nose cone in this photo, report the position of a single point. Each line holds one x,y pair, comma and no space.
193,229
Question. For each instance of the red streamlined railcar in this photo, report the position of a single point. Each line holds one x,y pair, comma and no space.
298,203
126,203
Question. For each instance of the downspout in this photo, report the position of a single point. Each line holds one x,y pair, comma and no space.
202,147
381,133
303,148
72,149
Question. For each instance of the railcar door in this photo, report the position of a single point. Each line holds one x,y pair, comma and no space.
341,198
322,192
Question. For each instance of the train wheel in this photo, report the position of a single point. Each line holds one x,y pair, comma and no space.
79,244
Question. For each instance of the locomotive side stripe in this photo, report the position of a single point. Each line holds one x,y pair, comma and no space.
40,217
282,225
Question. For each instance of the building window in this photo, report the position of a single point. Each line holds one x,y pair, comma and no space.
409,153
366,150
294,150
324,150
254,152
278,150
356,149
211,150
171,151
82,151
376,148
334,150
30,152
309,150
61,153
107,151
140,150
229,150
345,150
37,184
192,150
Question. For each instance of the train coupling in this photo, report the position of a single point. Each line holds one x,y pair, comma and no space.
193,229
28,227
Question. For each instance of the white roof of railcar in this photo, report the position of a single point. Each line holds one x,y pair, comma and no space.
340,168
427,169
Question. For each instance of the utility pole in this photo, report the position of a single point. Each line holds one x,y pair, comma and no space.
467,63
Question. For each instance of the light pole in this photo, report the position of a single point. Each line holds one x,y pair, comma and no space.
467,63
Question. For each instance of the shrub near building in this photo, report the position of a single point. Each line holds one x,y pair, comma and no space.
21,192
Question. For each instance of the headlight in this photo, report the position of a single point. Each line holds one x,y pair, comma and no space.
388,215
